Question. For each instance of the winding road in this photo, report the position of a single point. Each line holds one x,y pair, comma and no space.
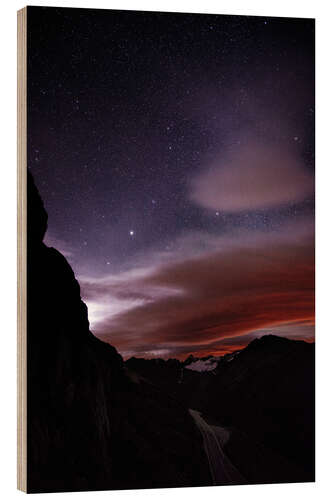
221,469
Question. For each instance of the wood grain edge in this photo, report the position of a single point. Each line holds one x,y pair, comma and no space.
22,249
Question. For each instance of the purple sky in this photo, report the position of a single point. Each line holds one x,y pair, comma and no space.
175,157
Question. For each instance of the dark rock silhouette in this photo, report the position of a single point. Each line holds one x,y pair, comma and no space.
91,425
268,391
265,396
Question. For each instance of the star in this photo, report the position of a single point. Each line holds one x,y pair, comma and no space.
140,154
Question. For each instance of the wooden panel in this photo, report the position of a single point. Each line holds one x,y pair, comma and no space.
22,249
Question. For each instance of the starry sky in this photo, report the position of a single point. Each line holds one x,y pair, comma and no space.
175,157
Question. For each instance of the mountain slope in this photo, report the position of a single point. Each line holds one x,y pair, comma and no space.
268,392
90,425
264,394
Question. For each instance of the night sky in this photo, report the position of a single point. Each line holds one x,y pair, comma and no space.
175,157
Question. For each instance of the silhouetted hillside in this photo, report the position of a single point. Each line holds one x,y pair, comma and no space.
267,390
90,424
264,394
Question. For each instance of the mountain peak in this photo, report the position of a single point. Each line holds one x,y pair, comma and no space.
272,341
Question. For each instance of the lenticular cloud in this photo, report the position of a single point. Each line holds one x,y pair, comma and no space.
255,177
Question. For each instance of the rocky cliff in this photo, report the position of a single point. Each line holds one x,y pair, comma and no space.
90,424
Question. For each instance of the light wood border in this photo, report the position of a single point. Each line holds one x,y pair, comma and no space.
22,249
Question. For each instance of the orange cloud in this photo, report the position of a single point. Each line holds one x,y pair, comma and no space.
194,304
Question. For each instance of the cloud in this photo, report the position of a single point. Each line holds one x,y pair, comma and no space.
241,284
254,177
